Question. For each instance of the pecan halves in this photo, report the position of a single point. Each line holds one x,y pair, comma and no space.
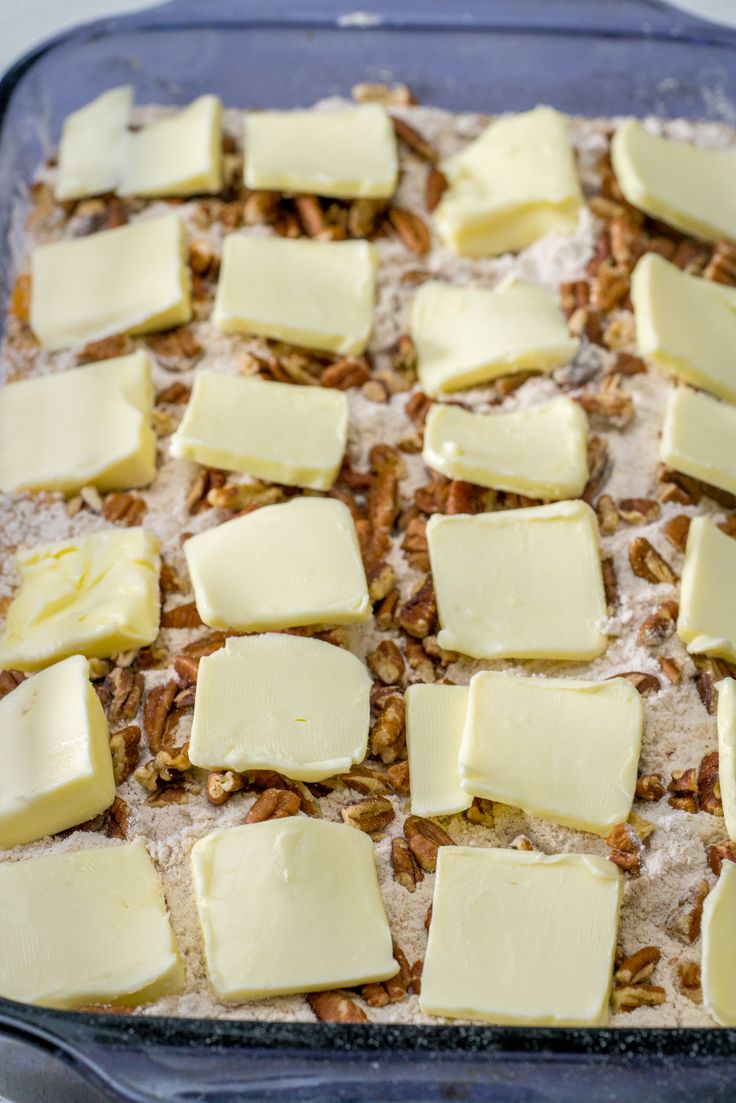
417,616
709,789
406,869
638,967
125,748
221,784
336,1007
647,563
626,848
684,920
370,815
388,734
127,692
650,787
181,616
156,710
425,837
387,663
659,625
411,229
274,804
684,790
415,141
10,680
435,188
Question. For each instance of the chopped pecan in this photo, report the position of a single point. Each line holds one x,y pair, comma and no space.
398,777
608,287
345,373
419,661
116,820
166,766
375,391
435,188
710,671
336,1007
243,497
181,616
383,494
671,669
728,525
684,790
599,468
274,804
261,208
522,842
684,921
718,854
387,663
647,563
125,748
417,616
10,680
156,711
105,349
425,837
608,517
312,217
573,295
481,812
386,610
221,785
610,583
186,664
626,363
203,260
628,242
177,349
381,580
418,406
626,848
388,735
688,973
642,683
638,966
169,581
506,385
370,815
650,787
375,994
676,530
414,544
675,486
639,995
709,789
406,870
413,139
722,265
368,780
363,216
411,229
638,511
206,480
610,405
659,625
20,298
465,497
398,985
691,256
127,692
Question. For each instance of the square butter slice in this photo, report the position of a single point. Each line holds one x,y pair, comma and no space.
345,153
290,905
524,584
277,431
559,748
707,620
718,963
132,279
90,426
512,185
276,702
313,293
466,336
279,567
56,769
86,927
95,595
727,752
177,155
92,145
699,438
521,938
435,716
686,325
540,452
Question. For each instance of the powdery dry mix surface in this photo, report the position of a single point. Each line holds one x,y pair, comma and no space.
678,731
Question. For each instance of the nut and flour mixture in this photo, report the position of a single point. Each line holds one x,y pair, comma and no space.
671,849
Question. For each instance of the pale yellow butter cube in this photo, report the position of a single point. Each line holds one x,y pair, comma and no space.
277,431
435,715
718,962
540,452
727,752
177,155
90,426
707,620
86,927
95,595
524,583
313,293
346,153
699,438
512,185
290,905
56,767
691,188
521,937
133,279
559,748
465,336
279,567
686,325
276,702
92,145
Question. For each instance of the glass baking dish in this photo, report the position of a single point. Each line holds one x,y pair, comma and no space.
594,57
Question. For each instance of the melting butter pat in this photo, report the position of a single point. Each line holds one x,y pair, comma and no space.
281,566
85,927
511,186
718,965
559,748
132,279
699,438
469,335
435,716
277,431
707,620
274,702
177,155
90,426
290,905
685,324
92,145
524,584
727,752
57,770
313,293
521,937
688,187
95,595
345,154
541,452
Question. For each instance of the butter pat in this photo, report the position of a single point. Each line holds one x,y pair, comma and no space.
178,155
524,583
89,426
465,336
707,620
699,438
540,452
275,702
688,187
86,927
133,279
346,153
718,966
290,905
727,752
279,567
95,595
521,937
277,431
686,325
435,715
511,186
57,770
554,747
92,146
318,294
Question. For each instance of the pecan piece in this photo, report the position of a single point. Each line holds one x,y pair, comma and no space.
465,497
610,583
411,229
709,789
398,777
688,973
709,672
722,265
336,1007
417,616
639,511
363,216
413,139
370,815
221,785
642,683
123,508
156,710
435,188
125,748
177,349
181,616
166,766
659,625
116,820
684,790
425,838
10,680
391,95
671,669
610,405
480,812
599,468
675,486
647,563
639,995
650,787
106,349
344,374
626,848
718,854
368,780
387,663
127,692
274,804
418,405
388,734
414,545
406,869
638,966
398,985
684,920
608,516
